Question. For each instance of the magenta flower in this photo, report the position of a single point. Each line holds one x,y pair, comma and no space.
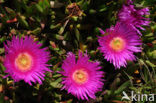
119,44
82,77
129,1
134,16
25,60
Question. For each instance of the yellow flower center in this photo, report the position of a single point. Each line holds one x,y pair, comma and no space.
117,44
80,76
23,62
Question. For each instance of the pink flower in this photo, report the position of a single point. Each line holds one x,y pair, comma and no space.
133,16
82,77
25,60
119,44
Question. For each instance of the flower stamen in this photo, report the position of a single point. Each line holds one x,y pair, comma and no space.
117,44
23,62
80,76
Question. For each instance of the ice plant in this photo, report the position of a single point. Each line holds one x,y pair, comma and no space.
133,16
25,60
119,44
82,77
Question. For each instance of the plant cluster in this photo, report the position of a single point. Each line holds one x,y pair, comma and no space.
54,51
